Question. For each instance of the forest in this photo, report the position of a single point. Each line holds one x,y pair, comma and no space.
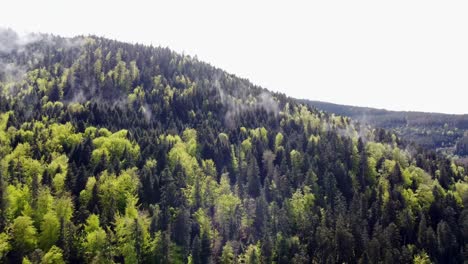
444,133
113,152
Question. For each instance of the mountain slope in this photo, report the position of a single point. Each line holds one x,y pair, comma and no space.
442,132
113,152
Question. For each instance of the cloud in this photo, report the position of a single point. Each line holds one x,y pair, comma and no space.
146,110
12,41
242,99
10,72
268,102
79,97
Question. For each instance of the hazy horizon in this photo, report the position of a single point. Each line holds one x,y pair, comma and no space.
397,56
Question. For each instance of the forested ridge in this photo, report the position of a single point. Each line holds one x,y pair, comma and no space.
444,133
123,153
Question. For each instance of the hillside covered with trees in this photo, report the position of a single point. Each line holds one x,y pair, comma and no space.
444,133
118,153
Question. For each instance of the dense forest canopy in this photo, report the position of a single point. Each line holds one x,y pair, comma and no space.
112,152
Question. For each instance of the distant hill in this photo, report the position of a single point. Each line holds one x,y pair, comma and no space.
442,132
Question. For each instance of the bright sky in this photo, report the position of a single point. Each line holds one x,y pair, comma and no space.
399,54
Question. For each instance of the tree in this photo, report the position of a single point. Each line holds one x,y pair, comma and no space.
132,233
95,240
363,165
5,245
196,251
50,231
181,230
150,182
396,177
422,229
278,141
252,255
24,235
54,93
226,207
422,258
446,242
3,205
253,177
261,216
344,242
296,164
227,256
301,204
205,252
53,256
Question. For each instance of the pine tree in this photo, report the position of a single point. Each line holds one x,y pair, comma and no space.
205,252
253,177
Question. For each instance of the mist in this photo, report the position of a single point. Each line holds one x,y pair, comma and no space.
242,101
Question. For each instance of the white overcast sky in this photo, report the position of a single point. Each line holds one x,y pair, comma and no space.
398,55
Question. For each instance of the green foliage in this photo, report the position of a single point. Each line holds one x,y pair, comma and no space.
226,207
301,202
114,190
422,258
49,231
252,255
227,257
111,152
24,234
95,243
18,201
204,221
87,192
4,138
296,160
62,136
53,256
183,152
64,208
5,245
132,234
58,164
114,146
19,164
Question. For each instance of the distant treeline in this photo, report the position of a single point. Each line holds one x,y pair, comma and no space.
448,133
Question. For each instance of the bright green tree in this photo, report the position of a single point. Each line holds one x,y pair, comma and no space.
24,234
